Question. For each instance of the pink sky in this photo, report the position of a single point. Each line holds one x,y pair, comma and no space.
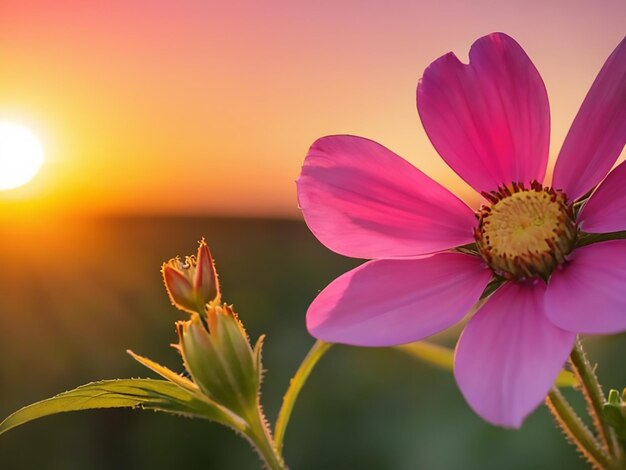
167,107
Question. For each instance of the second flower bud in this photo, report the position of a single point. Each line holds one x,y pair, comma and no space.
192,283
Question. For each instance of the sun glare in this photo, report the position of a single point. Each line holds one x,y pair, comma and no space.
21,155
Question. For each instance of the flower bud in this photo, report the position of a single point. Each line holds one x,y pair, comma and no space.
192,283
219,358
614,412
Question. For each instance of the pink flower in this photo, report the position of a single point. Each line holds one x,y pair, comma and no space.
433,256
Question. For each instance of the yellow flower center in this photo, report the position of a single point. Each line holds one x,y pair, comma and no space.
525,232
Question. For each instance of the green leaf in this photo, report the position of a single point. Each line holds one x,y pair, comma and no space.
443,357
148,394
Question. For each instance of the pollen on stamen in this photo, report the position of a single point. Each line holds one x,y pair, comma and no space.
525,233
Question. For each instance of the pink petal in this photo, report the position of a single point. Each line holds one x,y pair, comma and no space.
206,282
605,211
388,302
598,133
509,355
489,120
588,295
179,288
362,200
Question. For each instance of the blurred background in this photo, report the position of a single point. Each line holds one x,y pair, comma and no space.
163,123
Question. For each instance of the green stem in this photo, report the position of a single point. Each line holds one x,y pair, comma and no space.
577,432
594,396
295,385
261,437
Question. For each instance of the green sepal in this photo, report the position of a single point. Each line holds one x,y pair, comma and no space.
202,361
147,394
231,342
167,374
258,357
218,356
613,398
614,413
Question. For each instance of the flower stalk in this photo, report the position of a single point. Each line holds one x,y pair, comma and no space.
594,396
577,432
295,385
260,436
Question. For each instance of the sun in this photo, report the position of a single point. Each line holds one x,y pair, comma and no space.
21,155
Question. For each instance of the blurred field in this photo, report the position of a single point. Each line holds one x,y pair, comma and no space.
75,295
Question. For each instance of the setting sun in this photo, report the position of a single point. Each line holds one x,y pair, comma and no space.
21,155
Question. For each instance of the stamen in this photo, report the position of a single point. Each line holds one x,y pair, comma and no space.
525,233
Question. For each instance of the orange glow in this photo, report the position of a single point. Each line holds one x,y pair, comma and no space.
209,107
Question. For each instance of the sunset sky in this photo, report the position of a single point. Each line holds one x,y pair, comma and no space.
209,107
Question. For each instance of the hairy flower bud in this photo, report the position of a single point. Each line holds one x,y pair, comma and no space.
219,358
192,283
